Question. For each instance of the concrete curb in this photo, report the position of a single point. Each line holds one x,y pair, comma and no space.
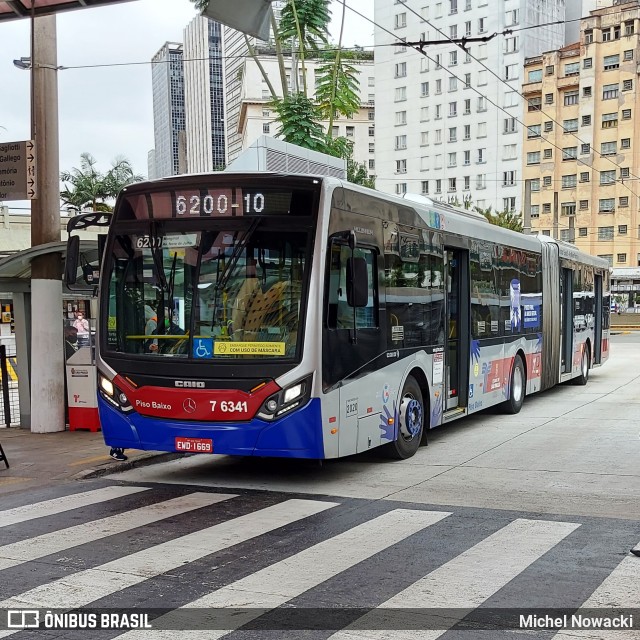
118,467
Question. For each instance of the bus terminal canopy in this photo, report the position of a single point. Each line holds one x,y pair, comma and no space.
13,9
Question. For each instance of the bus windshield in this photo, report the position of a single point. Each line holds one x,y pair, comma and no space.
233,291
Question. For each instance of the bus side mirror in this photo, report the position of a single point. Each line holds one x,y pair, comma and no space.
357,282
72,260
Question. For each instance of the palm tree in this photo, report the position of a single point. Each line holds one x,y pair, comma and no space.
90,189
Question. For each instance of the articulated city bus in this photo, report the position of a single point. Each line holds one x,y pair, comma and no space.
302,316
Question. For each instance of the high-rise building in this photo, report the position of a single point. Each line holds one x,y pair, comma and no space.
447,123
257,117
168,109
204,96
235,52
581,146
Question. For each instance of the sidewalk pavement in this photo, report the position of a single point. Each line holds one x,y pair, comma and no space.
43,459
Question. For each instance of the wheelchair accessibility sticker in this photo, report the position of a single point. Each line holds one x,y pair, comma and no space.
203,348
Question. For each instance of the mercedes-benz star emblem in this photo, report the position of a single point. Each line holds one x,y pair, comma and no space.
189,405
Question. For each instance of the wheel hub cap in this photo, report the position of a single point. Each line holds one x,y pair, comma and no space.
410,418
517,385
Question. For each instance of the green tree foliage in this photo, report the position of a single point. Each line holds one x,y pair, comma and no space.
298,118
337,87
87,188
507,219
305,21
358,174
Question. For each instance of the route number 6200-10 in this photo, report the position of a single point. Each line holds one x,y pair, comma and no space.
208,205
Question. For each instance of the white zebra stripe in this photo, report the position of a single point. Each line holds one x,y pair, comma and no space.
274,585
66,503
14,554
84,587
467,580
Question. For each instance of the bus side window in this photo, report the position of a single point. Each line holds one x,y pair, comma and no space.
339,312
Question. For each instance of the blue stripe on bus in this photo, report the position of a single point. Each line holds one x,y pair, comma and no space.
298,435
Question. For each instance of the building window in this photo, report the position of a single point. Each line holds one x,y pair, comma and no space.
623,201
438,186
372,147
535,104
611,62
467,28
401,69
572,69
535,184
621,257
510,125
534,211
535,75
567,235
622,229
533,157
266,127
452,184
609,91
608,258
467,107
351,132
467,158
584,176
607,205
628,55
438,161
582,232
570,125
609,120
438,111
482,104
453,7
585,148
584,205
605,233
570,153
626,114
453,159
424,139
586,121
482,25
571,97
546,208
548,98
467,132
569,181
438,133
509,204
453,58
587,63
534,131
453,109
548,126
371,114
480,181
511,71
401,20
628,28
401,118
624,172
608,148
482,130
401,94
508,178
547,154
625,143
401,166
482,156
438,59
546,181
401,142
467,183
467,80
627,85
424,89
453,134
372,131
546,232
549,70
372,164
425,187
608,177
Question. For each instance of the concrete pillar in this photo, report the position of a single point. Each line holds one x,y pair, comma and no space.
22,318
47,345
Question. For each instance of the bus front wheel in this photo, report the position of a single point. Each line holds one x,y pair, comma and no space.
517,387
410,425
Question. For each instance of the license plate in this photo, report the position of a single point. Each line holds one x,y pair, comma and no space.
194,445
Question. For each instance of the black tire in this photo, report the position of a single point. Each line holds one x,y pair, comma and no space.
411,418
517,387
583,378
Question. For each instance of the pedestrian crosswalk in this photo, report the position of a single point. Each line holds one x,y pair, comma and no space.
258,554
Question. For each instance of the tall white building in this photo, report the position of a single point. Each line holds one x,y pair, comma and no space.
168,111
257,118
204,96
437,131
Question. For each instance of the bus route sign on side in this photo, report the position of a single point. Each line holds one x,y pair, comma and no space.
18,170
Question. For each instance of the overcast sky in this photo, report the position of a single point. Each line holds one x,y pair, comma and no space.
108,111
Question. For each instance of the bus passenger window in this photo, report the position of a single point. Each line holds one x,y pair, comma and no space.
339,312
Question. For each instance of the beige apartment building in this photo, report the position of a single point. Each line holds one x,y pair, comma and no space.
581,151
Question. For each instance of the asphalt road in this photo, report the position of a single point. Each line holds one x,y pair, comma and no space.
498,514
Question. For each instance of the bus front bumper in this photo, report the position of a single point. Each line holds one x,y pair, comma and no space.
298,435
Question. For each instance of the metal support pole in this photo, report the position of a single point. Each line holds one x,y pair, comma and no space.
4,381
47,353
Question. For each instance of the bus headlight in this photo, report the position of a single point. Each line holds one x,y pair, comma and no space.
113,395
107,386
286,400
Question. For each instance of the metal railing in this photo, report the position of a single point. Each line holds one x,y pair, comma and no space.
9,400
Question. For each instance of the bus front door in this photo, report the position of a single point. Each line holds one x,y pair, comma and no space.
566,320
597,318
457,315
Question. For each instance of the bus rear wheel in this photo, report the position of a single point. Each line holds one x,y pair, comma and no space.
517,387
410,422
582,379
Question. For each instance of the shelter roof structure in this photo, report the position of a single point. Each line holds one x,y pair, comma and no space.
14,9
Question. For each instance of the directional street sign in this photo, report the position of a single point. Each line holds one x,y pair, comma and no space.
18,170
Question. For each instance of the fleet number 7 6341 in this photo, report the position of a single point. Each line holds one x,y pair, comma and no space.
228,406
